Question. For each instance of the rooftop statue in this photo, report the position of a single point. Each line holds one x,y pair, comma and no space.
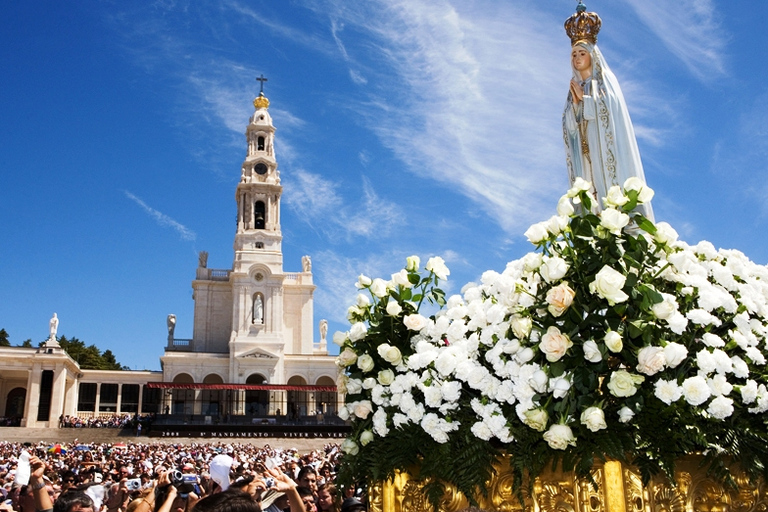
600,142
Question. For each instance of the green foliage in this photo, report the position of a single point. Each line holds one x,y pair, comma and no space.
89,357
4,342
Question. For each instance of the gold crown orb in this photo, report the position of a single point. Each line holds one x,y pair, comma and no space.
583,26
261,101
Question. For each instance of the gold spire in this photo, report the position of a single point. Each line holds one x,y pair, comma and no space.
261,101
583,26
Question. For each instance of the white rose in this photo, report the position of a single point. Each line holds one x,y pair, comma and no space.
559,299
346,358
626,414
650,360
357,331
369,383
343,413
401,279
666,308
613,341
554,344
553,268
350,447
525,355
521,326
415,322
354,386
366,437
412,263
624,384
365,363
379,287
539,381
592,352
593,418
559,437
437,266
615,197
608,284
613,220
354,313
556,224
386,377
675,353
537,233
537,419
564,207
665,234
644,192
363,281
362,301
532,261
339,338
394,308
559,387
390,354
579,185
362,408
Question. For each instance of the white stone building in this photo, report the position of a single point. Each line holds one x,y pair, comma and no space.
253,350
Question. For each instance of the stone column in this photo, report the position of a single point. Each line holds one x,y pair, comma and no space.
70,401
98,399
141,398
57,395
33,394
119,398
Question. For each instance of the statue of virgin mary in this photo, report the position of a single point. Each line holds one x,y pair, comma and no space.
600,142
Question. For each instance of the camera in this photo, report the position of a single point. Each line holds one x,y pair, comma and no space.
134,484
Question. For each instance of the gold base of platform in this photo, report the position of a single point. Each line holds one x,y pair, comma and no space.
619,489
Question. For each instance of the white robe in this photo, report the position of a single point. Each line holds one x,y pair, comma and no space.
603,117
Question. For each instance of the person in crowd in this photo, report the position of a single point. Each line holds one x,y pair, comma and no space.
327,498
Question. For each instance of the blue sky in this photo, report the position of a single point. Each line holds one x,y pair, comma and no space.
403,127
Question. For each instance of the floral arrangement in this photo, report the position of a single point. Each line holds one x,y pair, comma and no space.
613,339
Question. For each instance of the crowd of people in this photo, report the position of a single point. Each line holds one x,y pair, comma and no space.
115,421
157,477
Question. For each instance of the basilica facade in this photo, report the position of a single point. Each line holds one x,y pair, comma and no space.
255,351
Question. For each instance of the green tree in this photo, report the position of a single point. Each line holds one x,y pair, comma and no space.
89,357
26,343
4,342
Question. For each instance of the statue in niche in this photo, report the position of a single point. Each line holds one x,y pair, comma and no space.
202,259
258,309
53,327
171,323
600,141
323,329
306,264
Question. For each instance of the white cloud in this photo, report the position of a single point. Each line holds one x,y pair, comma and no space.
443,76
319,203
690,30
163,219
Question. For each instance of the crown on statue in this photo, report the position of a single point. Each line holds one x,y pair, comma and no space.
583,26
261,101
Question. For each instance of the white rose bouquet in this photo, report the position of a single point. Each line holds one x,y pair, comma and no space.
603,342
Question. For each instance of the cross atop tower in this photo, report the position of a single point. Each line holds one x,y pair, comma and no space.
262,80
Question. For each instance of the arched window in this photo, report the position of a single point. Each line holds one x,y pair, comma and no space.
259,215
260,143
257,314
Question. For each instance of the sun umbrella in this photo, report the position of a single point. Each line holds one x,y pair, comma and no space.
83,448
57,448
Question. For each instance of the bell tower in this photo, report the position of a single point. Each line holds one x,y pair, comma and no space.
258,193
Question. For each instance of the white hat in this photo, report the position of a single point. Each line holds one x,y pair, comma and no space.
220,466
